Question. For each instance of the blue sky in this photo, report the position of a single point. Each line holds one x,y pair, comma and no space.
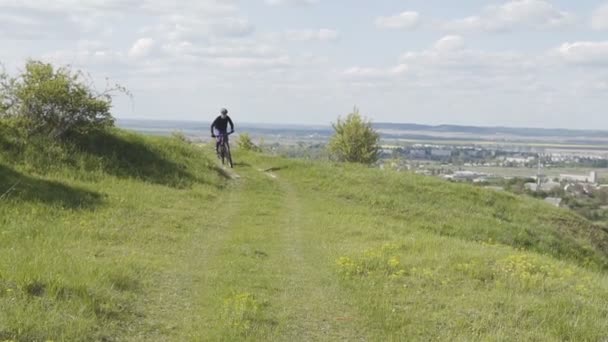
539,63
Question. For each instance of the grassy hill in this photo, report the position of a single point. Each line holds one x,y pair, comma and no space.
117,236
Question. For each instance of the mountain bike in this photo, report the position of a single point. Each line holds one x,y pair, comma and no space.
224,152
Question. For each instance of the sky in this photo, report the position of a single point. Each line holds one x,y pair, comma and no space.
532,63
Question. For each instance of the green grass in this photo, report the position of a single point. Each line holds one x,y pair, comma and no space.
117,236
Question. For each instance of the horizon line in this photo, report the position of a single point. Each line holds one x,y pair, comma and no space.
384,123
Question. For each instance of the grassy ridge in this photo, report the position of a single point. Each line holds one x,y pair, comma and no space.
413,279
461,211
116,236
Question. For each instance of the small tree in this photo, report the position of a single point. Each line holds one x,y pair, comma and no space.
355,140
247,144
53,101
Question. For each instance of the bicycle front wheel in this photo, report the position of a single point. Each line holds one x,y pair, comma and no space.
223,154
229,156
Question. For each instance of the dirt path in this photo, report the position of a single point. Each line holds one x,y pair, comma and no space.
266,252
315,311
172,309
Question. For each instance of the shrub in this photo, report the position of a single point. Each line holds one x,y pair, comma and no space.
180,136
246,144
355,140
55,101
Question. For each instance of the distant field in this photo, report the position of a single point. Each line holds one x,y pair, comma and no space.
522,172
528,172
533,146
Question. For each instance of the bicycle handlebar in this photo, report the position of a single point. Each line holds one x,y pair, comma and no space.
222,134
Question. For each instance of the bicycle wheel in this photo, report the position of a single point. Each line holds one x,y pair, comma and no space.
223,153
229,155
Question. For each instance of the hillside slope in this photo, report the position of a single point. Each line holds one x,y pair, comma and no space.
124,237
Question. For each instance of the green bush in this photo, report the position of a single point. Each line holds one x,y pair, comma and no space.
54,102
355,140
247,144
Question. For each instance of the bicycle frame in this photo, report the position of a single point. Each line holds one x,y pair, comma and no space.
225,154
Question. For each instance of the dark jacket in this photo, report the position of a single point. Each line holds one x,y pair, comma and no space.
221,124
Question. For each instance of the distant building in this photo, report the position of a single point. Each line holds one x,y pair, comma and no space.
473,153
463,176
418,153
590,178
519,160
424,172
546,187
441,153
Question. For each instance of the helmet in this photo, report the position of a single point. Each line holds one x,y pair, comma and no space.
224,111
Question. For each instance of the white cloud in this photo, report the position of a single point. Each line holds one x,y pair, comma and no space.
36,25
371,74
588,53
449,43
97,6
141,48
448,64
89,55
291,2
61,19
253,63
599,20
473,62
536,14
250,56
16,19
240,51
323,35
180,27
234,27
404,20
201,8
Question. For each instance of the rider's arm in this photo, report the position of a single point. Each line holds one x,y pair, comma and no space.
231,124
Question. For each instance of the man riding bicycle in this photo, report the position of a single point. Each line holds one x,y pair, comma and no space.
221,126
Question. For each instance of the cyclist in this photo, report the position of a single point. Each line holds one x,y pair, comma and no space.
221,126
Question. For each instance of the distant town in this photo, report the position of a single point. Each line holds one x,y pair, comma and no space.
462,162
575,179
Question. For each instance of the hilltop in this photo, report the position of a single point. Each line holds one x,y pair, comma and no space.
118,236
497,130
